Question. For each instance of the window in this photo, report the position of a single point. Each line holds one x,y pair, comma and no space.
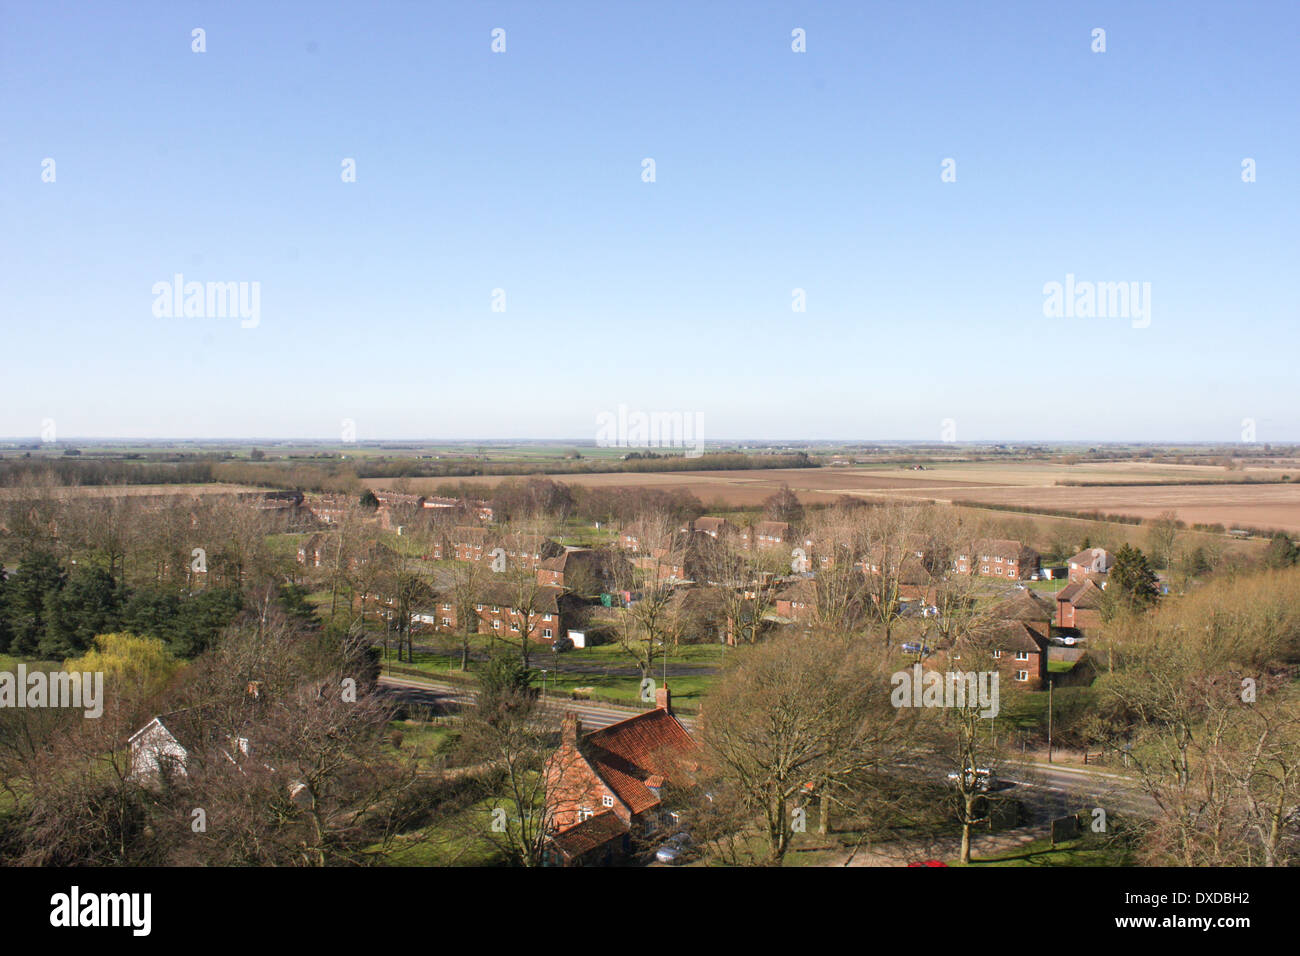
998,559
1022,655
496,625
546,632
446,622
514,625
496,609
997,654
585,813
478,607
606,801
546,617
1022,675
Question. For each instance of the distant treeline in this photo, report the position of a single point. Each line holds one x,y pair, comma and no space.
81,471
733,461
1115,518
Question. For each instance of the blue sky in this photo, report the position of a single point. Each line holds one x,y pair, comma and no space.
775,170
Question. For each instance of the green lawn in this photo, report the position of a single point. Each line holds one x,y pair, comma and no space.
10,663
1082,851
428,742
687,689
462,840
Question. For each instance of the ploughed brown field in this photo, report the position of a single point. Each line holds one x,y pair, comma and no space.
735,488
1274,506
133,491
1024,484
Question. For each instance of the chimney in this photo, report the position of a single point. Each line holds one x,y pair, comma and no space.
664,699
570,729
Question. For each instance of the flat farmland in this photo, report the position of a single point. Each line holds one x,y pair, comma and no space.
736,488
1266,506
131,491
1005,484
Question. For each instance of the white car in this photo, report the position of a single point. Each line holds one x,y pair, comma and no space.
674,850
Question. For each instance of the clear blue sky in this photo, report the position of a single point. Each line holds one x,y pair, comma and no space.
775,170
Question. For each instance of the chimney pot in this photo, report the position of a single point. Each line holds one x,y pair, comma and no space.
570,729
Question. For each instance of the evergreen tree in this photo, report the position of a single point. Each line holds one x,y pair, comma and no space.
25,594
89,603
1131,584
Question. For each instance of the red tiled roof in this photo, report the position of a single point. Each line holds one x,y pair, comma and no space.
1023,606
590,834
631,753
1003,547
1005,636
1090,557
1084,594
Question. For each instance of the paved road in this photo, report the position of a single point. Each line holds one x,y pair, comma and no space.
450,697
1049,790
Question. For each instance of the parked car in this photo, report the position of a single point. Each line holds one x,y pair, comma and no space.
980,778
674,849
916,647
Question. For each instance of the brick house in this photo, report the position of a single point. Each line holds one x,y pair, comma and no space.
312,551
1029,608
327,508
608,787
915,582
797,601
574,568
766,534
1090,561
685,558
396,509
1000,557
555,611
477,544
713,527
1079,603
526,550
816,560
1018,651
469,543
